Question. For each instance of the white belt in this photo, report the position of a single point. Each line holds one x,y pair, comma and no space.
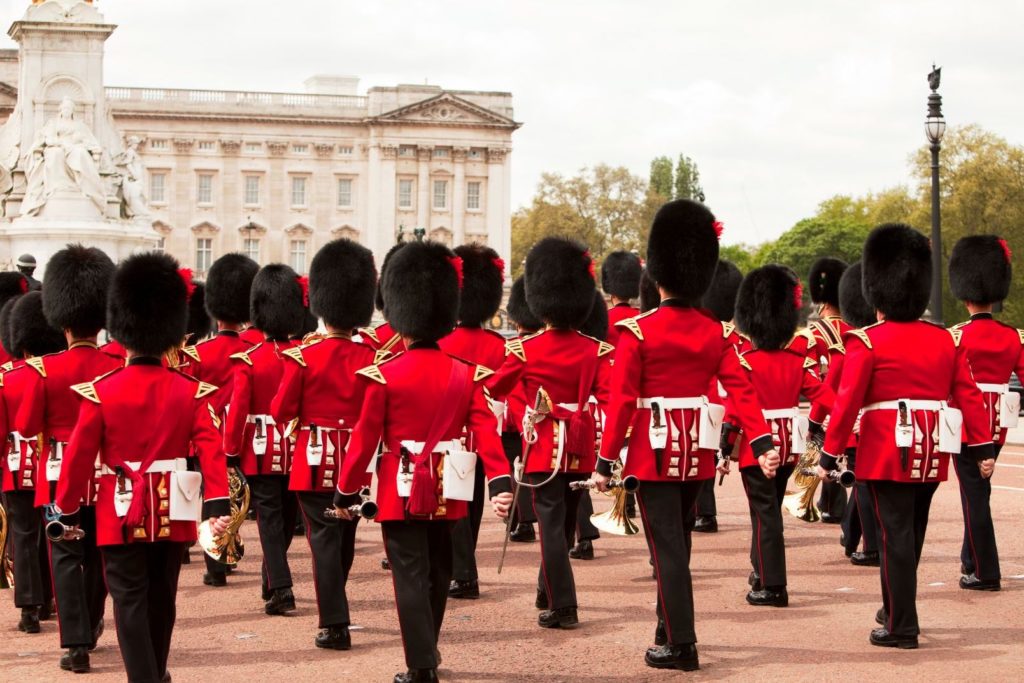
158,466
266,419
689,403
307,428
416,447
911,405
19,439
781,413
994,388
572,407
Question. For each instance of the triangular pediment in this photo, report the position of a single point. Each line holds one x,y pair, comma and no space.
446,109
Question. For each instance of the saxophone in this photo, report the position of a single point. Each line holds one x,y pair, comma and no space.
229,548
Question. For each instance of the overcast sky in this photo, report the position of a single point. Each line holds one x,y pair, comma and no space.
782,104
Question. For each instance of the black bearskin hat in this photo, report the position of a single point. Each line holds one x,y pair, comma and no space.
228,284
596,324
768,306
200,325
6,338
276,304
980,269
650,297
518,311
720,298
11,285
421,290
560,282
75,297
147,308
620,275
897,271
854,308
483,277
30,333
824,280
682,250
378,299
342,282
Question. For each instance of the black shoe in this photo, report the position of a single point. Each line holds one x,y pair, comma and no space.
881,618
417,676
563,617
464,590
281,601
842,540
706,525
76,659
769,597
334,638
971,582
865,559
166,678
523,533
29,620
682,657
386,566
826,518
882,638
754,581
216,580
96,634
542,599
964,571
660,636
48,610
584,550
228,570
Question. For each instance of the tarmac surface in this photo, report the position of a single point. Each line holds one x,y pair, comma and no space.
222,634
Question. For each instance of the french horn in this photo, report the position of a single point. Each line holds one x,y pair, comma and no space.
228,548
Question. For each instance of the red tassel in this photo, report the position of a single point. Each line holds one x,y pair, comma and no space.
798,296
23,285
499,263
186,277
582,437
304,286
590,265
136,514
423,496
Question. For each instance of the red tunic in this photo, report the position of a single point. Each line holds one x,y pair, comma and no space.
50,406
257,377
400,404
616,314
114,348
828,337
251,336
141,414
674,352
475,345
382,338
210,361
319,388
25,448
892,361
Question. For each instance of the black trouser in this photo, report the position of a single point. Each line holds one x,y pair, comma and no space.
78,584
767,543
143,581
25,546
467,530
902,511
333,545
213,567
585,529
667,511
706,506
859,517
276,510
556,505
832,499
978,554
420,553
512,442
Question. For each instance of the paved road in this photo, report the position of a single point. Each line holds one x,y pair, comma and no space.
223,633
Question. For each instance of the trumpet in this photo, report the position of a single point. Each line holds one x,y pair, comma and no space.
844,478
365,508
57,531
229,548
6,567
628,484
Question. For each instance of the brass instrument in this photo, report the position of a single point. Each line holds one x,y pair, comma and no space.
365,508
229,548
6,566
800,503
57,532
615,520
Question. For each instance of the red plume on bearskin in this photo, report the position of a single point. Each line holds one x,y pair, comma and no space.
1006,250
719,229
798,295
499,263
304,286
457,265
186,277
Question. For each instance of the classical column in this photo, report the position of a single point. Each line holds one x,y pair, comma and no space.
378,239
386,197
423,189
459,196
499,225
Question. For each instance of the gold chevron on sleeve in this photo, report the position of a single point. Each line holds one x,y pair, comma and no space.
863,336
36,363
604,349
242,356
481,373
192,352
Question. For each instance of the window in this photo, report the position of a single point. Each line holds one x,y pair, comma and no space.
158,187
345,150
297,256
405,193
204,254
473,195
252,189
440,194
440,153
251,248
207,145
253,147
204,188
158,144
298,191
474,154
300,149
344,192
406,151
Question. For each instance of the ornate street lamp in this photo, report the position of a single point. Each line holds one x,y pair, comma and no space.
419,234
935,128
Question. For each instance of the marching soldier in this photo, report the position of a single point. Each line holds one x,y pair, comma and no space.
720,300
74,300
665,362
30,336
26,265
145,421
980,270
483,278
828,331
319,391
11,285
767,312
256,442
901,372
383,337
570,368
620,280
228,284
419,403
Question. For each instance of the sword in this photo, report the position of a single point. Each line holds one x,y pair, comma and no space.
541,408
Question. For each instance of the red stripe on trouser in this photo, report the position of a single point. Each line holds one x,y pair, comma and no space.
885,556
543,567
756,532
53,585
964,502
657,567
394,588
312,554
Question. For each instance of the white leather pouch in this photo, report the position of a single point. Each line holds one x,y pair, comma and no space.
951,422
1009,409
14,455
122,498
798,439
710,436
459,475
185,502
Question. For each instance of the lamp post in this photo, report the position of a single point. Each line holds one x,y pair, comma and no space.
935,127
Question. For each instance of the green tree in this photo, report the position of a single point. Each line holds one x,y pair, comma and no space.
800,246
743,256
687,183
661,177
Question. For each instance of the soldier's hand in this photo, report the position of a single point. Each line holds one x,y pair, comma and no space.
342,513
218,525
769,462
501,504
987,467
723,465
821,473
600,481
